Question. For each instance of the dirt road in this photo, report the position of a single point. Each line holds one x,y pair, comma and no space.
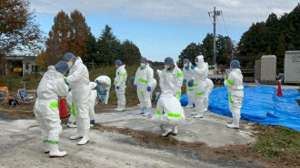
20,147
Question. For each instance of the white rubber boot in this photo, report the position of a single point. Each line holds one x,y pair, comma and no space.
75,137
71,125
84,140
46,147
233,126
175,130
166,132
54,151
199,115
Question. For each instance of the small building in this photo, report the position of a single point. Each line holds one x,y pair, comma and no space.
265,69
292,67
20,65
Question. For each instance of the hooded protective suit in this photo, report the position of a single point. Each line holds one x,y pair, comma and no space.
171,81
189,83
145,84
51,87
103,88
168,108
120,87
235,88
200,75
209,88
78,79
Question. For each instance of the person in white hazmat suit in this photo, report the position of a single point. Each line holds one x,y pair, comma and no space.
78,80
103,88
235,88
209,87
120,85
188,71
145,84
200,76
104,82
51,87
172,77
168,107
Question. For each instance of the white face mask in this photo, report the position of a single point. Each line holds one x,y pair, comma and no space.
167,66
143,65
70,64
186,65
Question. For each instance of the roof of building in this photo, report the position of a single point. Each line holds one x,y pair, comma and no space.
14,58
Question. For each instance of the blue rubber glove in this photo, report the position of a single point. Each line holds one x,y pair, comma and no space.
191,83
184,81
149,89
193,67
67,83
117,87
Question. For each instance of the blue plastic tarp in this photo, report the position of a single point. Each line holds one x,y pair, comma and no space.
261,105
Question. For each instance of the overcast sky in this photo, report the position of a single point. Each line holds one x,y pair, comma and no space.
162,28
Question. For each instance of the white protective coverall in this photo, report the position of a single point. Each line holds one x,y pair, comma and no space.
78,79
92,101
200,75
144,79
120,87
209,88
235,88
190,90
72,110
171,81
105,84
51,87
168,109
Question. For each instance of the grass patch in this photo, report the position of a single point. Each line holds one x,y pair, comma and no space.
278,143
14,82
31,82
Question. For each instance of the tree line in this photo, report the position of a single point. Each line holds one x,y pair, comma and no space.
273,36
224,47
71,33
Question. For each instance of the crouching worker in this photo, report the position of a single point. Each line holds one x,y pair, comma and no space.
51,87
168,108
99,93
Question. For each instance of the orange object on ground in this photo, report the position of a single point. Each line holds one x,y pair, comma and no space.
279,89
4,95
63,109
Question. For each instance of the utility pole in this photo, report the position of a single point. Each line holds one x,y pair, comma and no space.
214,14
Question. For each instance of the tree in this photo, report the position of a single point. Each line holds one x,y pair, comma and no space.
59,38
109,47
224,49
190,52
130,53
41,59
17,28
91,49
207,46
274,36
80,32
